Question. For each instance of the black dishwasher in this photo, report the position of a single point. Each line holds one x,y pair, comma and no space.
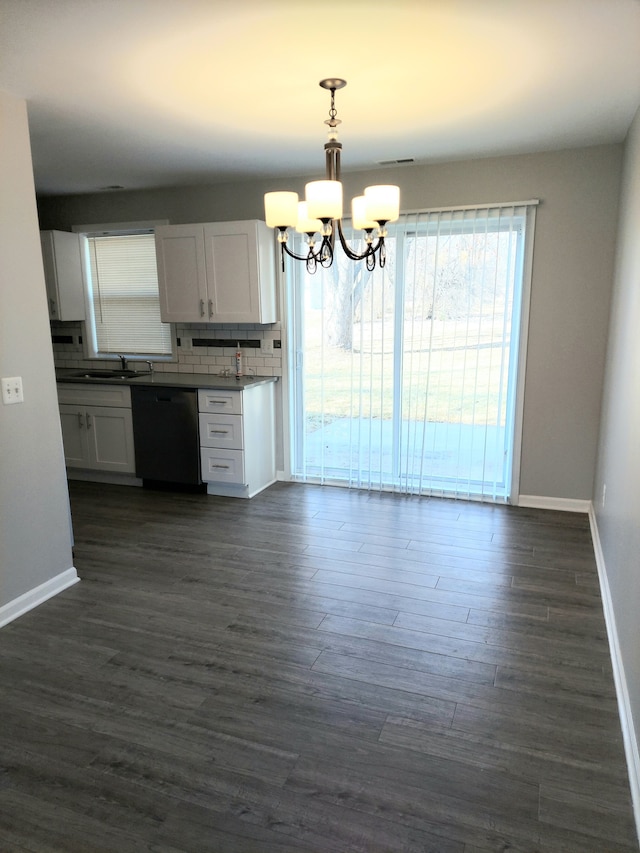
165,432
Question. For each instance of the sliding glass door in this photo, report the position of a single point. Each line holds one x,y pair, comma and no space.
405,378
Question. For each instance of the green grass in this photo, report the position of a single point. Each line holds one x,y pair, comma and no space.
450,383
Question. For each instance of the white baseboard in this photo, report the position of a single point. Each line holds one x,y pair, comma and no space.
624,704
562,504
113,479
36,596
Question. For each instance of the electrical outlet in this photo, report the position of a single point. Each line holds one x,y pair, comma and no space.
267,345
12,390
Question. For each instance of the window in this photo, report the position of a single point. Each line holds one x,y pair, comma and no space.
122,297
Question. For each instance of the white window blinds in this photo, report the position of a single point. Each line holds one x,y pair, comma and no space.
123,290
406,378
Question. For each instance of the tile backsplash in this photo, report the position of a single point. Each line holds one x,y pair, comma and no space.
261,355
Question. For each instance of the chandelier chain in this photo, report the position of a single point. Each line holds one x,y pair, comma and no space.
333,121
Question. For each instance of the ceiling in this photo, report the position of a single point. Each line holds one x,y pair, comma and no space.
157,93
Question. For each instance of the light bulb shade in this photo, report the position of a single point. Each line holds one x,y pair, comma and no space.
382,203
281,209
358,215
324,199
306,225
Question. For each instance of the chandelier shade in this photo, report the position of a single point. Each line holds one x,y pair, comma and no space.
382,203
324,199
359,218
281,209
305,224
321,210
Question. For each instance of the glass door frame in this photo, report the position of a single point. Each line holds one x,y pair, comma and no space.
293,392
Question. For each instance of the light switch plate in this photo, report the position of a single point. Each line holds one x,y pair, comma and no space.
12,390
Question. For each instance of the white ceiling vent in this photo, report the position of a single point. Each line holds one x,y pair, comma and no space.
403,161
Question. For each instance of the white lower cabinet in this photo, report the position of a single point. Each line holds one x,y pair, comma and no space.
97,429
237,440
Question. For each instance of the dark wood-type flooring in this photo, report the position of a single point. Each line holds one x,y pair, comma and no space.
314,670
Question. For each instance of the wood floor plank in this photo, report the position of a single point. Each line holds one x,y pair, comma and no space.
317,670
607,818
547,645
514,755
513,603
30,822
567,736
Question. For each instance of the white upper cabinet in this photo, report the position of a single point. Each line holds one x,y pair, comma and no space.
182,277
62,260
218,272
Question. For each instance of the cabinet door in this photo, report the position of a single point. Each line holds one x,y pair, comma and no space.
74,436
110,436
182,282
62,262
240,279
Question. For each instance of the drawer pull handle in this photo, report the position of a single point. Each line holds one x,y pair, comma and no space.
218,402
202,307
220,431
220,466
80,421
211,308
88,421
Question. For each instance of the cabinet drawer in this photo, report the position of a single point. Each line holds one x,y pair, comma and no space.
229,402
94,395
221,431
222,466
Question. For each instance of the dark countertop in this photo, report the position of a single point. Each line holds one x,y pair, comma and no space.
168,380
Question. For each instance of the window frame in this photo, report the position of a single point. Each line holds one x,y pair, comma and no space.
90,344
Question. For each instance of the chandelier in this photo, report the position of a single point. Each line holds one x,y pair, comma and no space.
321,211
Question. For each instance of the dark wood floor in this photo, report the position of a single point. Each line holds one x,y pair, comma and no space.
314,670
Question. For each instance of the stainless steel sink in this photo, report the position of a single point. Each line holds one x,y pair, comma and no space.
106,374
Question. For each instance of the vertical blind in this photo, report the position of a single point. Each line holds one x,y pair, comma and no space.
405,377
124,296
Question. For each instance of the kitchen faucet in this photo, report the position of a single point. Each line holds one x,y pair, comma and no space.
123,362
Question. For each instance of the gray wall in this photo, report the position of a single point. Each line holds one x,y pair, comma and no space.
618,467
572,276
35,538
